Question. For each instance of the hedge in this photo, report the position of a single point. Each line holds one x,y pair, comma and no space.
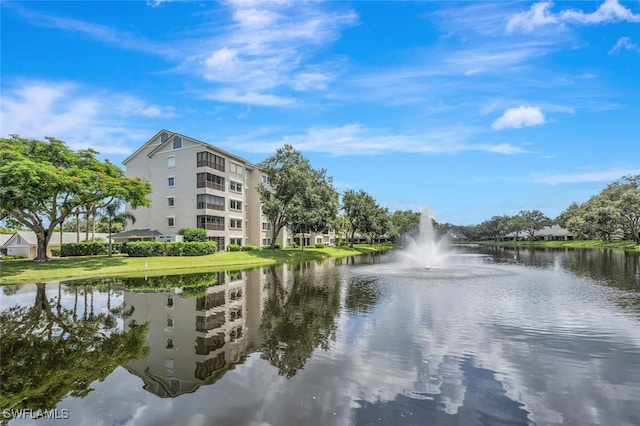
176,248
88,248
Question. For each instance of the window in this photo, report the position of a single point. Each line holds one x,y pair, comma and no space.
236,241
212,223
266,226
171,162
235,223
207,201
169,343
171,201
208,180
168,364
164,136
236,168
170,222
265,179
171,182
169,301
169,321
235,205
235,186
177,142
207,159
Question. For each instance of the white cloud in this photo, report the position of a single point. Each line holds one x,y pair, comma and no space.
540,15
356,139
624,43
267,48
607,176
523,116
248,98
81,116
609,11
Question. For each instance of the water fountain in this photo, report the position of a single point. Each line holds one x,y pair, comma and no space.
429,256
426,251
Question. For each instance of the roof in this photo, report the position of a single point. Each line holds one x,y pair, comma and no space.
139,233
67,237
554,230
4,238
157,145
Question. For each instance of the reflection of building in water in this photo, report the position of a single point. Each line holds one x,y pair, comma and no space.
194,341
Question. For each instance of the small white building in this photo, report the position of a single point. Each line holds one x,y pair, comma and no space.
25,243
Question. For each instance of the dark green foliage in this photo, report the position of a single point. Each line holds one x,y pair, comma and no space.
249,247
194,234
177,248
233,247
88,248
319,245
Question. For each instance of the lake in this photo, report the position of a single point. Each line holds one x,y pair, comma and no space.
497,337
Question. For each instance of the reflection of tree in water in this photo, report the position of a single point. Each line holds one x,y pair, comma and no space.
615,267
296,321
362,295
49,352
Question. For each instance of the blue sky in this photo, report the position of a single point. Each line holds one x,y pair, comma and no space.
472,108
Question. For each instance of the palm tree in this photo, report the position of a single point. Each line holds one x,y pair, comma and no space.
113,214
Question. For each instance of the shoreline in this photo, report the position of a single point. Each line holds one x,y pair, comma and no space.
25,271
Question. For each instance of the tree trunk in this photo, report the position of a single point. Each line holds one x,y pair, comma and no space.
41,250
110,244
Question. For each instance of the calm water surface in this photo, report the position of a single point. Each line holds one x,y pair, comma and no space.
499,337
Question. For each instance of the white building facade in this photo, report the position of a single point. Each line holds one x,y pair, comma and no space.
197,185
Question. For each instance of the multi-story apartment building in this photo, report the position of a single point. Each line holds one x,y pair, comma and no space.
198,185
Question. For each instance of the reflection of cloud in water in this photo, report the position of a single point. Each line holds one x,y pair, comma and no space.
550,344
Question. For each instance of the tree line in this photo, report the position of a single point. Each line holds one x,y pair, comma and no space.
44,183
613,213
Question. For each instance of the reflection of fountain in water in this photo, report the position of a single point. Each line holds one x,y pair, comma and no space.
427,250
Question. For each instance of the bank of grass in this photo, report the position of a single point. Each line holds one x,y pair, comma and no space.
19,271
629,246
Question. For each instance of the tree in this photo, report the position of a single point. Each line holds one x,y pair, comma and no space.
405,223
534,220
615,211
516,224
493,228
360,208
317,207
39,366
380,223
111,211
296,195
44,182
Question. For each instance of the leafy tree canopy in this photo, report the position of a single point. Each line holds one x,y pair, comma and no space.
43,182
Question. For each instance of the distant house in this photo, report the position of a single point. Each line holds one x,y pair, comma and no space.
138,235
553,233
3,239
548,233
25,243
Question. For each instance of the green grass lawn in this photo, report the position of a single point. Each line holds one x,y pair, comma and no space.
19,271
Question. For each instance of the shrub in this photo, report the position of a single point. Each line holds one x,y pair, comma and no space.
233,247
199,248
195,234
86,248
249,247
319,245
55,251
176,248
